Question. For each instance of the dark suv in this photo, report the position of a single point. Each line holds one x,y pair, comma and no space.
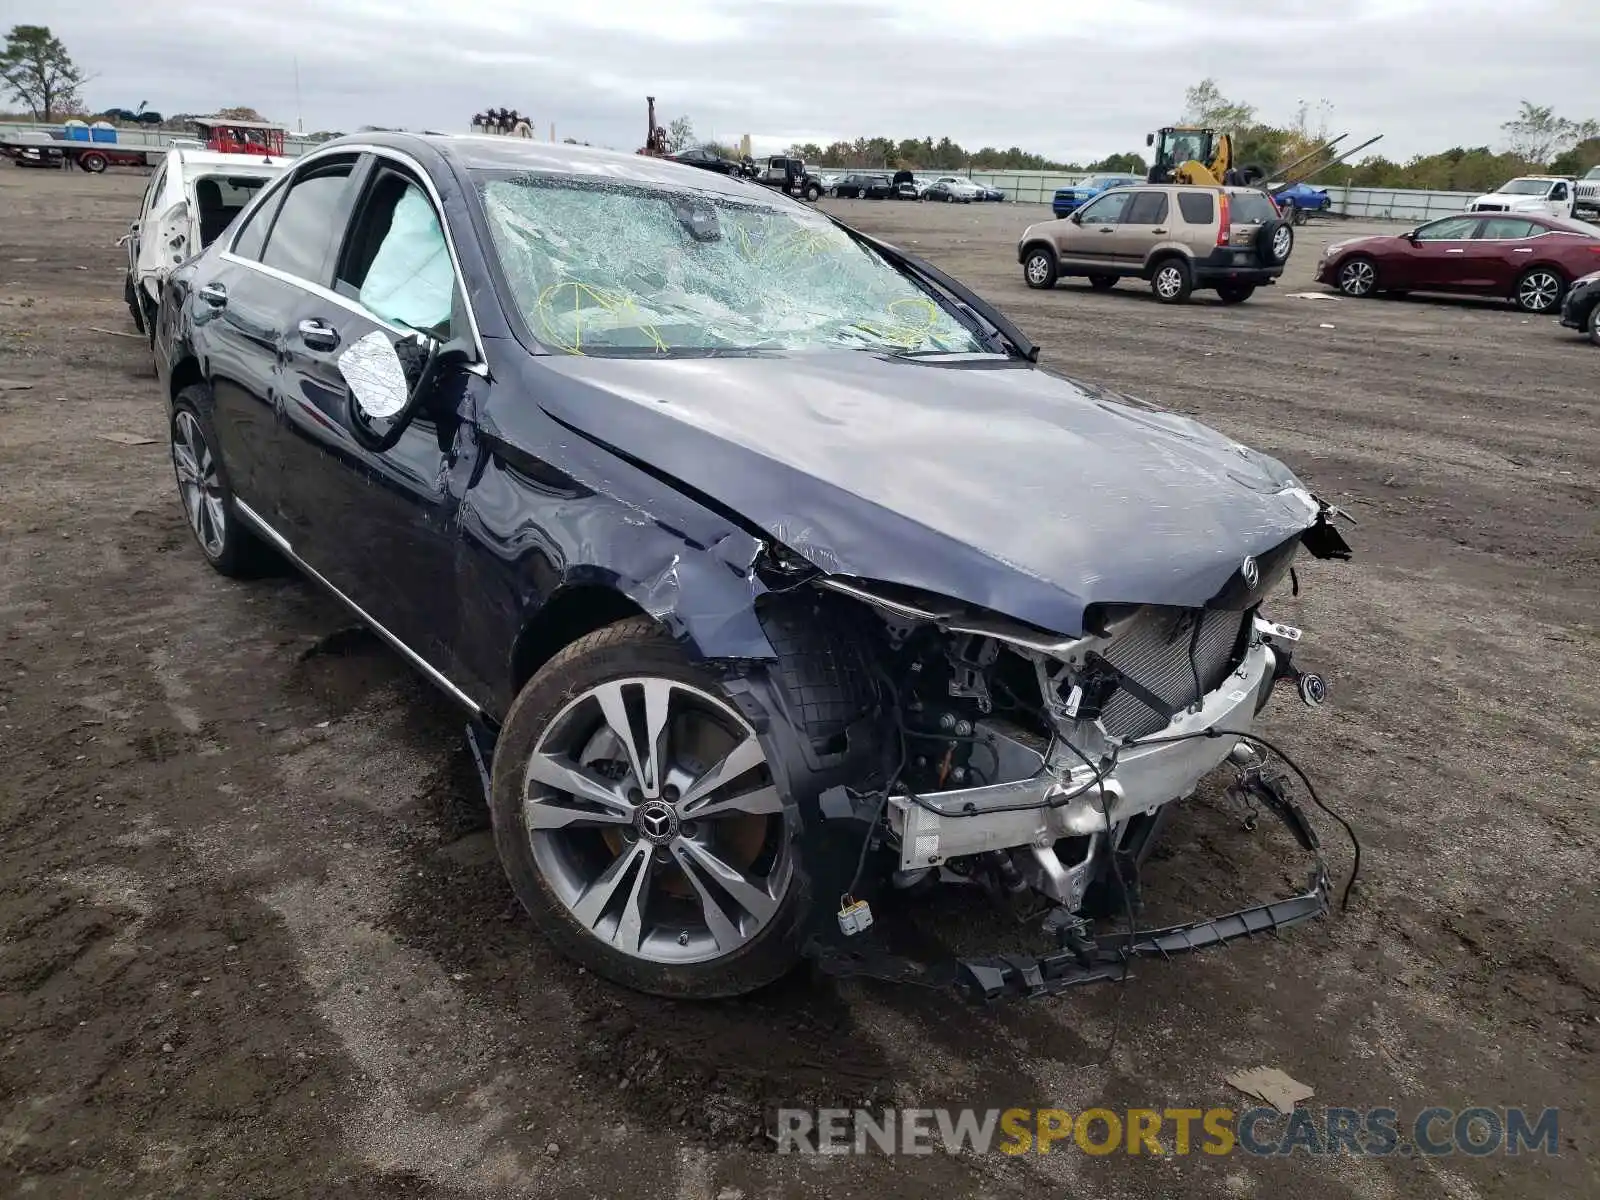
771,573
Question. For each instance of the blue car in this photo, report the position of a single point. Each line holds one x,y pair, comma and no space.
1301,198
1069,199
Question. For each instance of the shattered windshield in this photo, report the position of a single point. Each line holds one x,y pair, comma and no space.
599,268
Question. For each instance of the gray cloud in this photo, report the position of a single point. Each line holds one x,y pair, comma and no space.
1070,80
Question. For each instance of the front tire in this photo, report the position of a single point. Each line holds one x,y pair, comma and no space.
1172,281
1358,277
813,192
206,494
1594,324
665,862
1539,290
1235,293
1039,269
130,295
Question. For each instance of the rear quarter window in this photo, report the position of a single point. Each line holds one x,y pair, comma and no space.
1197,208
1250,208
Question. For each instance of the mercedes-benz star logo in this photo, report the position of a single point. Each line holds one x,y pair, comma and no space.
1251,572
656,822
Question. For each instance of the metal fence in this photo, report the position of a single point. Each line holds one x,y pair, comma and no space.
1024,187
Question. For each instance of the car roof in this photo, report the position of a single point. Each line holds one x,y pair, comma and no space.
241,164
496,153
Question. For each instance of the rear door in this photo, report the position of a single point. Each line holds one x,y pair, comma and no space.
1500,252
377,524
251,295
1145,224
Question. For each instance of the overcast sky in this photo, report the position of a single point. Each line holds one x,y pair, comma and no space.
1071,79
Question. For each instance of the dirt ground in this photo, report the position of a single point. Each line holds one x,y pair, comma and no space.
256,942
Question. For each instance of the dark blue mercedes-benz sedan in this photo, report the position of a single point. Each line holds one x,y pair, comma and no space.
778,581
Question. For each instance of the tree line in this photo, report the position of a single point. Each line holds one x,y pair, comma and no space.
37,70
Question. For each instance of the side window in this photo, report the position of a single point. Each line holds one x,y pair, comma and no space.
1250,208
157,184
1197,208
1508,229
1451,229
1107,209
1148,208
1559,192
396,261
298,242
252,235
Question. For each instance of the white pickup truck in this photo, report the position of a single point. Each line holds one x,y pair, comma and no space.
1541,195
1586,197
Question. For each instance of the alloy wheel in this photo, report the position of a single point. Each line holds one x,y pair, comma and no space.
1538,291
1282,243
1357,278
653,818
1038,269
198,483
1169,282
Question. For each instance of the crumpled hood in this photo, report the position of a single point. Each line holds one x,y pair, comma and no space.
1000,485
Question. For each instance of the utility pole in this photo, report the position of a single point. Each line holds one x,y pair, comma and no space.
299,118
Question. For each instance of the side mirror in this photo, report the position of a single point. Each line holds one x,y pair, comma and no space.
389,380
1075,217
1149,139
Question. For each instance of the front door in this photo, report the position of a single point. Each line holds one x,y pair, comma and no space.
379,524
1437,256
1091,238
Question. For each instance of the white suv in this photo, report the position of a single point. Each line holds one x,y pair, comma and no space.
192,197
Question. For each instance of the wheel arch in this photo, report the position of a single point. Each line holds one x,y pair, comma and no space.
186,372
573,612
1160,255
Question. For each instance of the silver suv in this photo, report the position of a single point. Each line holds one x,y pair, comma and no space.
1177,237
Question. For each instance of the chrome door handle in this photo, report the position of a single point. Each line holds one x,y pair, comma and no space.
214,294
1455,251
1522,250
318,336
1158,231
1107,229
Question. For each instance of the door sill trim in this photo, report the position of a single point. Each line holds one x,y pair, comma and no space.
282,546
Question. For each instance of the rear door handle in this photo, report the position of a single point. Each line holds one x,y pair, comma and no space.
318,336
1107,229
1455,251
215,295
1158,231
1522,250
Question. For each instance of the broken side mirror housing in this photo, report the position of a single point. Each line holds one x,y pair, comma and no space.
388,381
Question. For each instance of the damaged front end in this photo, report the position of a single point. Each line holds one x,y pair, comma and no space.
1042,769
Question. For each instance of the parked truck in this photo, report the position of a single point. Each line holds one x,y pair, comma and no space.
1586,195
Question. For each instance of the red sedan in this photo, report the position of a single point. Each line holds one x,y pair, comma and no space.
1528,259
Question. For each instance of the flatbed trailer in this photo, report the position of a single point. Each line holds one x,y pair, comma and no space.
93,157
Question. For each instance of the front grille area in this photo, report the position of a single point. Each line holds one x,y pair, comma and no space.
1154,652
1488,208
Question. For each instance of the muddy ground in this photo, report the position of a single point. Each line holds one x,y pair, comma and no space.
256,942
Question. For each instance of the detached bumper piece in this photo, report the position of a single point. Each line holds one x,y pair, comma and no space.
989,979
1083,959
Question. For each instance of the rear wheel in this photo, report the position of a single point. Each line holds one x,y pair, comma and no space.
93,162
1102,283
1172,281
1039,268
1235,293
1594,324
206,494
639,824
1539,290
1358,277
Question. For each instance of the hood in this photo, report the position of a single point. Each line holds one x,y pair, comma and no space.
1514,199
999,485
